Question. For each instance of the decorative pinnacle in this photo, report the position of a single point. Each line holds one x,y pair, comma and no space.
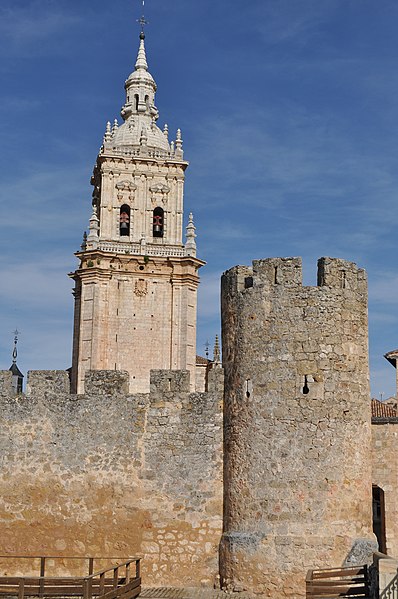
93,228
178,146
190,245
143,137
216,351
84,242
115,126
166,131
179,140
108,133
15,351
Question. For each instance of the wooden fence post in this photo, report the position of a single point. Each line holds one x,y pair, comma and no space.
115,577
42,574
21,589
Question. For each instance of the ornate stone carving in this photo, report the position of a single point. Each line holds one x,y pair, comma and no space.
159,193
141,288
126,186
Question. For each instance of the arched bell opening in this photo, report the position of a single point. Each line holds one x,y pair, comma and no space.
158,222
124,221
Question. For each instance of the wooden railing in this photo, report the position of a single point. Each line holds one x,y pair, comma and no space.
337,582
121,580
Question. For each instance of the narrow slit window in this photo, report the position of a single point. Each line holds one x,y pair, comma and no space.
136,101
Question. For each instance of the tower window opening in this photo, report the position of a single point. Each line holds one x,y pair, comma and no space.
305,389
124,221
379,517
136,101
158,222
147,102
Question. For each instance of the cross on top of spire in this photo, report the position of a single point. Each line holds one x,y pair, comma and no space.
142,21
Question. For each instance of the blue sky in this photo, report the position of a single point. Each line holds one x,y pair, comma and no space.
289,118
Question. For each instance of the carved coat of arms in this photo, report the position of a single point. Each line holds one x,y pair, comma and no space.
141,288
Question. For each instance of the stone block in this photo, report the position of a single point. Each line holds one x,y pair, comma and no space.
40,382
170,380
215,380
106,382
279,271
6,388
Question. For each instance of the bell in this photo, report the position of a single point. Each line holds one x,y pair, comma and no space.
124,225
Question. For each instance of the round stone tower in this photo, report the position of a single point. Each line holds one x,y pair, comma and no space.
297,422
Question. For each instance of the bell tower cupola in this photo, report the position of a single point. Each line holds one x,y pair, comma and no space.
140,89
136,283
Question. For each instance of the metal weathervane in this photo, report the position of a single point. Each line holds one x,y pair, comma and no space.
15,351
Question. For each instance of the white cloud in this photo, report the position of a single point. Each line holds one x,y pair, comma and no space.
383,288
33,22
43,200
36,283
283,20
209,295
36,298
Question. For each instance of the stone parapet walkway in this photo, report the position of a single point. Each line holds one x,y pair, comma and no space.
190,593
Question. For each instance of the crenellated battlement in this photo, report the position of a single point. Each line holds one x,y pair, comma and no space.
341,274
106,383
333,273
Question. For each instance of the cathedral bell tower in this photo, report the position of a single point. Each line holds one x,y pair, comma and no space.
136,284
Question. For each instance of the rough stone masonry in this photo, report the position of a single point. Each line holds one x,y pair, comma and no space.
112,474
109,473
297,474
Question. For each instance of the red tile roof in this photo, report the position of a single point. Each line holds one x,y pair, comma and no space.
200,360
381,410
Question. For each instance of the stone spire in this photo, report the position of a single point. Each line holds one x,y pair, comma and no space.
141,62
17,376
139,112
140,88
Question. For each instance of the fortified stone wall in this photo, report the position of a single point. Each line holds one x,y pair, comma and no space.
112,474
297,488
385,475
